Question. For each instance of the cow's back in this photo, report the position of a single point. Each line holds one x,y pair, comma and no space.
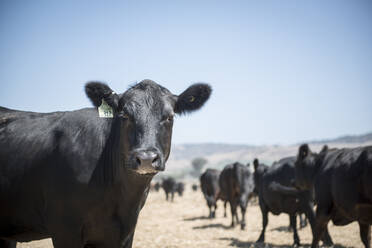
226,182
349,172
209,183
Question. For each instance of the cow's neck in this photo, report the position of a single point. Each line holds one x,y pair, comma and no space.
109,164
319,161
112,172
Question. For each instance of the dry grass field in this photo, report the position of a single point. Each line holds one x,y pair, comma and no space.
183,223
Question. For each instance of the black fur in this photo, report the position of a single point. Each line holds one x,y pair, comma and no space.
193,98
237,187
341,179
211,189
277,195
97,91
80,179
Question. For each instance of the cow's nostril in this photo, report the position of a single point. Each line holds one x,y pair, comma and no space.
155,159
138,161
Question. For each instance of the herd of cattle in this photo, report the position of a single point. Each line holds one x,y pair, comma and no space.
170,187
337,181
82,177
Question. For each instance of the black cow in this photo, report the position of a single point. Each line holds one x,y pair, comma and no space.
194,187
180,188
82,179
211,189
276,193
169,186
237,185
342,180
7,243
157,186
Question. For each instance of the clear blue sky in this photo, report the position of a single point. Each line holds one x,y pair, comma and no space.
282,71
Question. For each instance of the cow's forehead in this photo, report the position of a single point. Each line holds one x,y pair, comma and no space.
146,96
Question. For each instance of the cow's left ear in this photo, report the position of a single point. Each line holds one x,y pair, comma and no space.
255,163
97,92
193,98
324,149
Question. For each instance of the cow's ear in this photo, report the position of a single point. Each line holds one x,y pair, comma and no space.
303,151
97,92
255,163
324,149
193,98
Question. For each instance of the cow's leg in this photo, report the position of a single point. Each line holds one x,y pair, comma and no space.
321,221
265,220
289,228
233,205
166,196
66,241
7,244
129,242
215,209
292,220
210,209
365,234
326,238
243,208
172,196
310,215
224,206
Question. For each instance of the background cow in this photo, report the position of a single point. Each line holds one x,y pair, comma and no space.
237,185
81,177
194,187
180,188
342,182
169,187
276,193
211,189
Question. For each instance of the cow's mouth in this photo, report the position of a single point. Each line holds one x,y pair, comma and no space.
146,172
143,171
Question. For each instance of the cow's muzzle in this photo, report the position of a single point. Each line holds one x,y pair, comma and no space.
147,162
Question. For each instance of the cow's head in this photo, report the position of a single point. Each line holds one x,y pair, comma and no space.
146,113
305,167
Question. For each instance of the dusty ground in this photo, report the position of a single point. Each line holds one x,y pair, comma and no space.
183,223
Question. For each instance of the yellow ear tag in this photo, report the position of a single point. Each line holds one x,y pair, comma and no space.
192,98
105,111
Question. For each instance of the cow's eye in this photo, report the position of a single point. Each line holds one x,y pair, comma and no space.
123,115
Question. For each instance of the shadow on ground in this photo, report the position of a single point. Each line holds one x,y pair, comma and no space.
282,229
247,244
196,218
212,226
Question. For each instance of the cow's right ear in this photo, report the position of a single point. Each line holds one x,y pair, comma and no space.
303,151
255,163
193,98
97,92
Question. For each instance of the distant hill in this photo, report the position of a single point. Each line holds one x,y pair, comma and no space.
347,139
190,151
219,154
